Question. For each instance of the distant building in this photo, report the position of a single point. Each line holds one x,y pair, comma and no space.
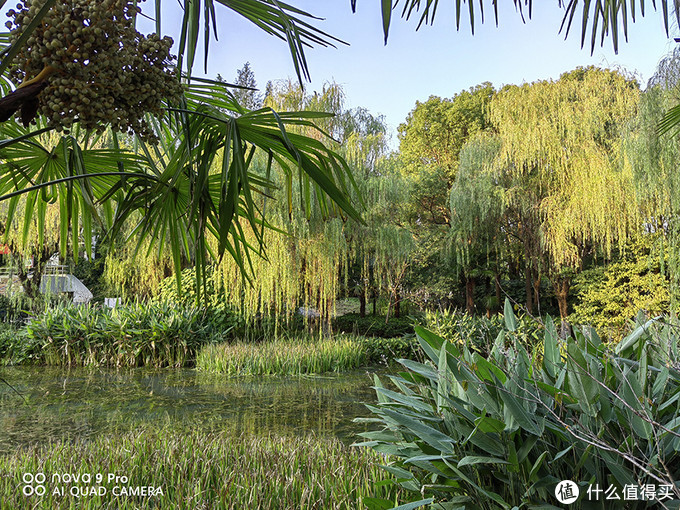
56,280
66,284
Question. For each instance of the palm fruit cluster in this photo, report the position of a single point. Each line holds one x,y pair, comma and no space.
103,71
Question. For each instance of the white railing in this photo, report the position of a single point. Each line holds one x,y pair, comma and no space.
6,272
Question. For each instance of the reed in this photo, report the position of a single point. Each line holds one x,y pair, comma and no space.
305,355
199,470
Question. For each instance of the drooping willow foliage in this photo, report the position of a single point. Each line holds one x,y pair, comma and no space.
309,262
131,273
476,201
654,160
563,139
307,256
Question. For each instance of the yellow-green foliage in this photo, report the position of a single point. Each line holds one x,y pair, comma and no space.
136,272
196,469
300,268
560,146
610,297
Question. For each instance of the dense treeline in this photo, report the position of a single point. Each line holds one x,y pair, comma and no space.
558,194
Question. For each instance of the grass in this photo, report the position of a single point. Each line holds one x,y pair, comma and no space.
199,470
284,357
303,355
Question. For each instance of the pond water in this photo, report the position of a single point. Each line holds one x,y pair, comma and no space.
75,403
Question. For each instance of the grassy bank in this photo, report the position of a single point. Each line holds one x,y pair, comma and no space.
302,355
197,470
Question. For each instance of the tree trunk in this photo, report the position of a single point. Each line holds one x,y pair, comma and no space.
497,283
31,279
362,302
537,289
527,289
397,304
375,299
470,294
561,286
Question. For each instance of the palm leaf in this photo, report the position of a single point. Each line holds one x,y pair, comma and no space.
601,17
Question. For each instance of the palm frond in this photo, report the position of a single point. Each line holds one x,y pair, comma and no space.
281,20
602,18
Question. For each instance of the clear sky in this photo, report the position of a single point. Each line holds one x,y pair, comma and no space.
436,60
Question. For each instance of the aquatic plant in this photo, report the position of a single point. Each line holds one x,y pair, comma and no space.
134,335
284,357
303,355
501,431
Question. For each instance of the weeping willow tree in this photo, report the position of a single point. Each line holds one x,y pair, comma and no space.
134,268
306,251
654,160
383,247
309,255
561,147
477,209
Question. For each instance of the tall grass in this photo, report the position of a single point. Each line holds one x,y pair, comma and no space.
284,356
199,470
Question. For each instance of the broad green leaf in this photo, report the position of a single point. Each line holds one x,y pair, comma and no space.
509,316
583,387
414,505
431,436
513,405
633,338
471,460
551,348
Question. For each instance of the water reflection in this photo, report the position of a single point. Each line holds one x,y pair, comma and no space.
69,403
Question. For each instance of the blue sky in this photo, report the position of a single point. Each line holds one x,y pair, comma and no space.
436,60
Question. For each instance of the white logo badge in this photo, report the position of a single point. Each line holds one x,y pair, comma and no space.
566,491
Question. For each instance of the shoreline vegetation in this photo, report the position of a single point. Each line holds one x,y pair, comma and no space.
157,335
162,335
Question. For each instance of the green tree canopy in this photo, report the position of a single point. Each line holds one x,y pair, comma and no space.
561,146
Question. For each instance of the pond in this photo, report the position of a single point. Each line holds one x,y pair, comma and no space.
73,403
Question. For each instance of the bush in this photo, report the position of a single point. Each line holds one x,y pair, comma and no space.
12,343
479,332
609,297
221,316
374,325
500,431
134,335
384,351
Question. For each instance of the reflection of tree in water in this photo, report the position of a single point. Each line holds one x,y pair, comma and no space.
79,403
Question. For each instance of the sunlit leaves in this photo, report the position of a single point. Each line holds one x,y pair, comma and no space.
560,141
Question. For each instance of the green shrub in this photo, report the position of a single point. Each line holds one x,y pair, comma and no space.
384,351
373,325
479,332
608,298
132,335
501,431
